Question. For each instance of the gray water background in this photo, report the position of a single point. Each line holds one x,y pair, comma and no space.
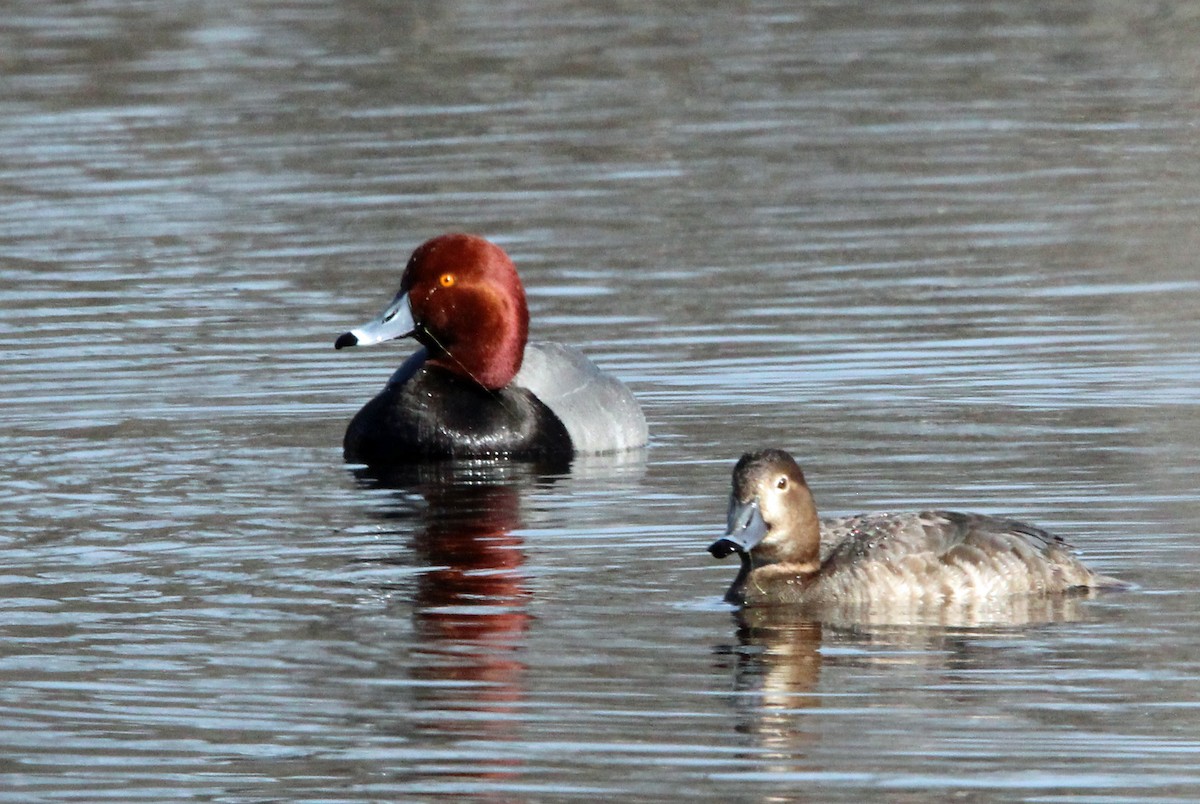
946,253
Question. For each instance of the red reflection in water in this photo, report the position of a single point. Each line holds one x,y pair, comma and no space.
471,616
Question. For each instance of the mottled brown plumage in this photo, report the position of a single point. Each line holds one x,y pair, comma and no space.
789,555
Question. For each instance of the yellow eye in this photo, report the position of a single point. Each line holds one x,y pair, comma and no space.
446,280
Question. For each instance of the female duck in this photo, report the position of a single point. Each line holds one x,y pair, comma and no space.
791,556
474,389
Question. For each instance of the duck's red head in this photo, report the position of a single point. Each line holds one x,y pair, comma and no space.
469,307
460,297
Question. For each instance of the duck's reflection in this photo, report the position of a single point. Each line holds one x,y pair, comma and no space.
470,606
463,583
777,665
782,652
470,603
1014,611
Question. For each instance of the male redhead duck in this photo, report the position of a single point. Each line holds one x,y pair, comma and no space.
931,557
474,389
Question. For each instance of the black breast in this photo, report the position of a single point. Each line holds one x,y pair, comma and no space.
436,415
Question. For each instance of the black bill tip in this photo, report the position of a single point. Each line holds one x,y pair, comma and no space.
345,339
722,547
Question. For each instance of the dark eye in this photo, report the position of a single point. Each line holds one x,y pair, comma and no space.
781,483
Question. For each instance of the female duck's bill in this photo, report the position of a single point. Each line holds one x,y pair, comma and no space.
474,388
790,555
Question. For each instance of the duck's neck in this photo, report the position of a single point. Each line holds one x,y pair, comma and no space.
491,351
796,540
753,577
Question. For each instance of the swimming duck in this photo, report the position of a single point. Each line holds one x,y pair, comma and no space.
474,388
790,556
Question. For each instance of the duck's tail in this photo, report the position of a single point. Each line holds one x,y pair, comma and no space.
1108,582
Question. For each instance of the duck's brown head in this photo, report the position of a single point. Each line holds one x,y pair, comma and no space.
772,515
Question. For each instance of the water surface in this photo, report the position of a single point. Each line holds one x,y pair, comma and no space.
945,253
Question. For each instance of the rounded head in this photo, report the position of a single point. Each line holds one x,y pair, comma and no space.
468,307
771,510
766,474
